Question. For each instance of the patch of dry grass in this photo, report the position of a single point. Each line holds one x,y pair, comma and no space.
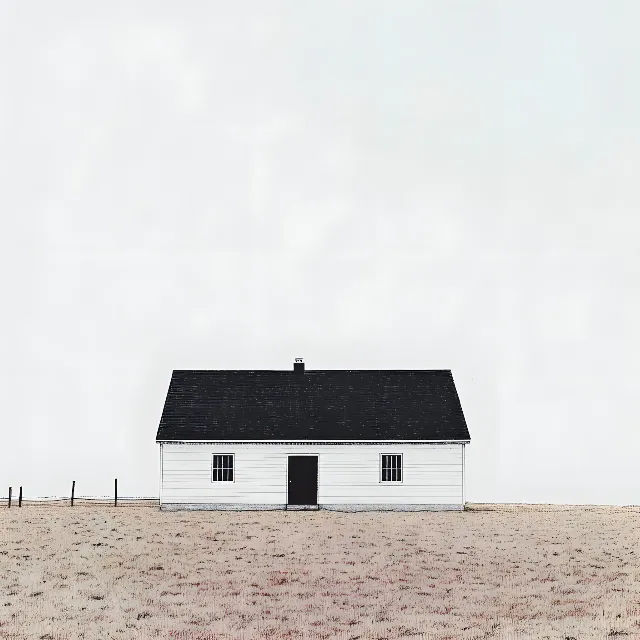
135,572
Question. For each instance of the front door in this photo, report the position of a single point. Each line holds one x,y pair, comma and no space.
303,480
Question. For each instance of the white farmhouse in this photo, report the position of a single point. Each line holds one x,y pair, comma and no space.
296,439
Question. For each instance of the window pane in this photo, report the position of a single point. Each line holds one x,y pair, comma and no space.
222,467
391,467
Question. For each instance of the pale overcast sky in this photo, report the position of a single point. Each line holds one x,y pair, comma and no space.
230,185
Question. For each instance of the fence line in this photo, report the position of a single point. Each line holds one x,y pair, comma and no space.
77,497
57,500
123,501
73,497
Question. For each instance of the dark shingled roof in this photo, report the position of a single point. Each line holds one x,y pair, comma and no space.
314,405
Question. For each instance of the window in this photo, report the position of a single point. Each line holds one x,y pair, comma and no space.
222,468
391,467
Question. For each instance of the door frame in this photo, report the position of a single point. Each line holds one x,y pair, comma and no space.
317,455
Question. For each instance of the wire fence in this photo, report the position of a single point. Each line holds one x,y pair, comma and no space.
49,501
12,500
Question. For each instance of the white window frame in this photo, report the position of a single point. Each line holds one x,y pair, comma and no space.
401,481
233,467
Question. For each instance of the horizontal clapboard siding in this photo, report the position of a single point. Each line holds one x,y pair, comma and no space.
432,474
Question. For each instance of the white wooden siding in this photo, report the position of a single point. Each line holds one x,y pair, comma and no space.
347,474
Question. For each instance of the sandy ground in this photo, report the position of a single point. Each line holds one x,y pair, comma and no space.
99,572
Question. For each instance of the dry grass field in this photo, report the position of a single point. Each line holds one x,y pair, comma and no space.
99,572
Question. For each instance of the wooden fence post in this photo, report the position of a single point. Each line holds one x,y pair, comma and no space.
115,504
9,497
73,490
20,498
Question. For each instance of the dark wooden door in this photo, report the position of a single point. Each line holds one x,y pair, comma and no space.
303,480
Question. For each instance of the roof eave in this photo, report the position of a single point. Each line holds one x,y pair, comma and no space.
285,440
